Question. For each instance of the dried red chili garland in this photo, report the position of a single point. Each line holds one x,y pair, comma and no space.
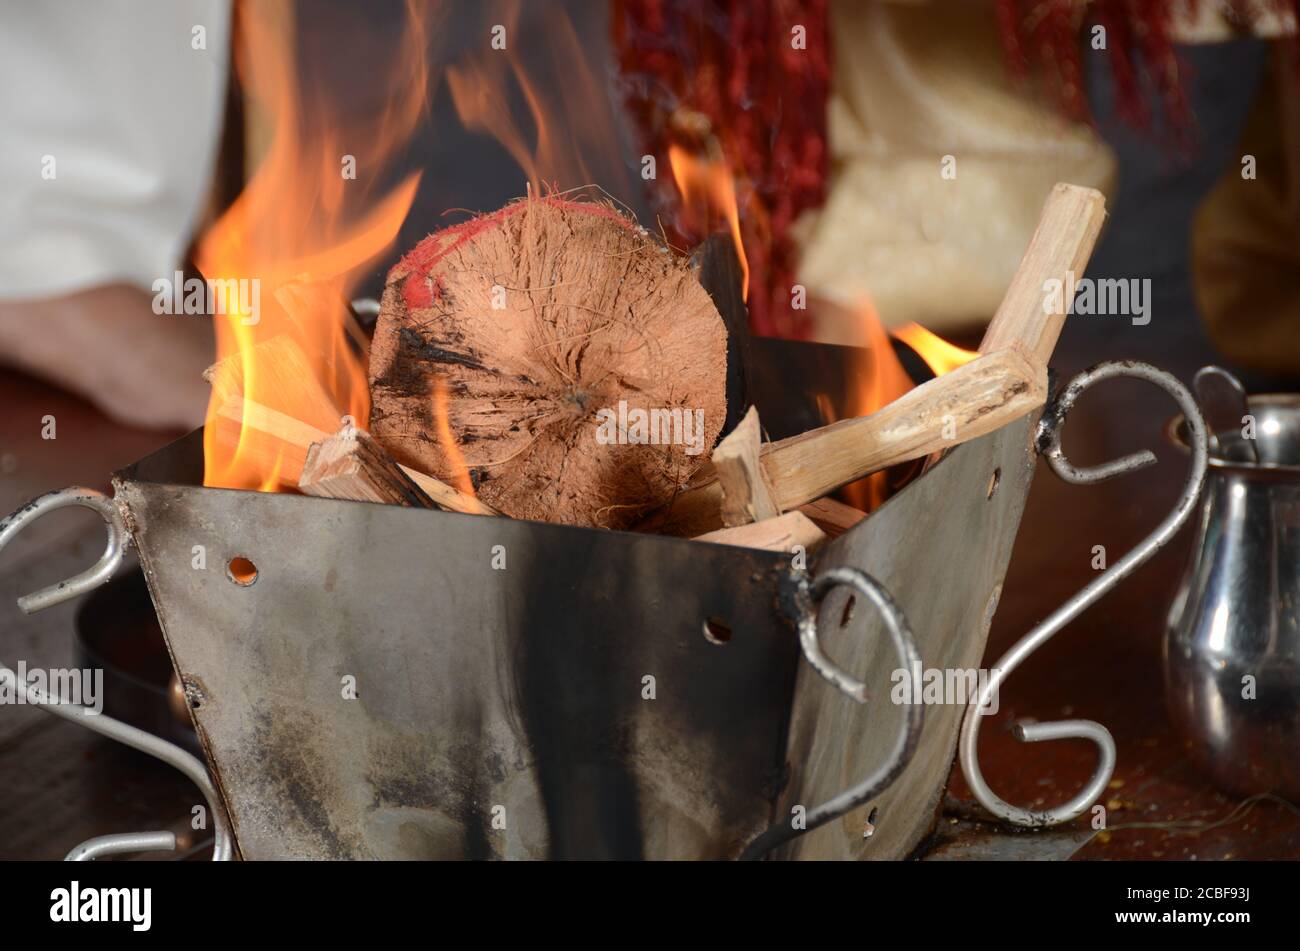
724,78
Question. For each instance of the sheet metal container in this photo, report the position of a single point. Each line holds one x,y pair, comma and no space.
569,704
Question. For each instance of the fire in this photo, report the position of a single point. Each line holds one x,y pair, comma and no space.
880,379
938,354
708,191
549,109
446,439
296,237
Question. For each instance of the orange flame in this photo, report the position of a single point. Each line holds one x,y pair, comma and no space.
442,426
708,191
294,240
879,379
573,139
938,354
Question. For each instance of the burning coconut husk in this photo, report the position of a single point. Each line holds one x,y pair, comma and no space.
555,359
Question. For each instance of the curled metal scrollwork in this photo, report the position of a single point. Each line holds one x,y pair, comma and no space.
908,736
139,739
1049,446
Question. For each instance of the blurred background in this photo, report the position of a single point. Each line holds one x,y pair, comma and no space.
889,158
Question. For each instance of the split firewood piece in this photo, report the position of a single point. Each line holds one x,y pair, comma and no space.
832,516
284,439
352,465
1032,313
283,372
558,354
304,411
781,533
970,401
287,439
746,496
446,496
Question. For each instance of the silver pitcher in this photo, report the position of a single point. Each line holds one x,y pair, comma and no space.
1232,644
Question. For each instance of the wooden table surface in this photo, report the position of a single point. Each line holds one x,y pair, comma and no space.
60,785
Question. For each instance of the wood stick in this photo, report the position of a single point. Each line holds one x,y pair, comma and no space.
1008,380
287,369
285,429
1058,251
972,400
294,438
831,516
283,442
782,533
352,465
282,369
446,496
746,496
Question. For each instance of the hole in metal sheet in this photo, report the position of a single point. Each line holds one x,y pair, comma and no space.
192,692
241,571
869,828
847,614
716,631
994,481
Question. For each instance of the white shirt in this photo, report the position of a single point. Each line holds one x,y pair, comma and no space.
109,125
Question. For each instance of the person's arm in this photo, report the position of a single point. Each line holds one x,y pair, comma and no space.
111,125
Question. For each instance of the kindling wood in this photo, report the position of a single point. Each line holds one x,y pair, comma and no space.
968,402
746,496
352,465
781,533
284,440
